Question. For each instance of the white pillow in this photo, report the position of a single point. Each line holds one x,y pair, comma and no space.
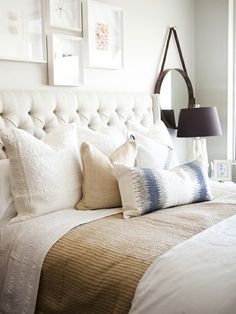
63,137
157,131
145,190
106,139
7,207
155,147
152,154
43,178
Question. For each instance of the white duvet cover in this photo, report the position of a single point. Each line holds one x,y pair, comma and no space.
197,276
23,247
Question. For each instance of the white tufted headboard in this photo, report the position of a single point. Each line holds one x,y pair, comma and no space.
40,111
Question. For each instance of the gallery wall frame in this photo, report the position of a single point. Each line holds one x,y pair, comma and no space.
103,34
64,14
65,60
22,31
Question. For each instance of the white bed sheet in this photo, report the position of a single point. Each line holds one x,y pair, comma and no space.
23,247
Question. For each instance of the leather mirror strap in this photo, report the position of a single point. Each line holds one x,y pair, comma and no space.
172,29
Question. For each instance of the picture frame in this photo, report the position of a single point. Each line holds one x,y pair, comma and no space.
65,60
22,30
103,33
65,14
221,170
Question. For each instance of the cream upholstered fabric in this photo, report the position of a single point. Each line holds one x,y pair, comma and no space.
40,111
43,178
100,187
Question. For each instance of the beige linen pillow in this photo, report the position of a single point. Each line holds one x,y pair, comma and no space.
100,187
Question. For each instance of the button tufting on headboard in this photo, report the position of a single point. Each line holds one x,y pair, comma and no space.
40,111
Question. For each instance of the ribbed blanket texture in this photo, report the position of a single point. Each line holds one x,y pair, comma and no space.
95,268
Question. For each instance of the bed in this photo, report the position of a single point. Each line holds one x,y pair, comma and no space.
179,259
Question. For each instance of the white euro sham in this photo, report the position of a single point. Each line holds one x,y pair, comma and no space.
43,178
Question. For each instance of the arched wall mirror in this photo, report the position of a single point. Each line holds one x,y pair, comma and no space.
174,87
175,90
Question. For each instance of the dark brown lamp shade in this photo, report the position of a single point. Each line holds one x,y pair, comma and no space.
198,122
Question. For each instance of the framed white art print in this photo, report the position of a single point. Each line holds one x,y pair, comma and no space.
65,60
65,14
22,33
103,33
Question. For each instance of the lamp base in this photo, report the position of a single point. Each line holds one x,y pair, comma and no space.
197,150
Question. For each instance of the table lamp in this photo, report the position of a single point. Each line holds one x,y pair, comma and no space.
198,122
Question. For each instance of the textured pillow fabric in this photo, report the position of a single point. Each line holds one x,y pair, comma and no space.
145,190
100,187
7,207
43,178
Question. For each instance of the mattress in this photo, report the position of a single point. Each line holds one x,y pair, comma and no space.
96,267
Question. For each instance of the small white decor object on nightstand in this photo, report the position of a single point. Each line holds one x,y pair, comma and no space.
65,60
221,170
65,14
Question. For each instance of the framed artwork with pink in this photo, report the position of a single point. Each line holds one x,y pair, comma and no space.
103,34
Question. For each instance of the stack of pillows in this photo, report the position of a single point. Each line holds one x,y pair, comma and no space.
76,167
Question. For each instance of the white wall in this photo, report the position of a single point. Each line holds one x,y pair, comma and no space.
211,63
145,27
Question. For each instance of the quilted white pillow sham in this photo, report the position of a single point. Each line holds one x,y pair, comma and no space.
43,178
145,190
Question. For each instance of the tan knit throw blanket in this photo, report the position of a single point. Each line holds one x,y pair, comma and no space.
96,267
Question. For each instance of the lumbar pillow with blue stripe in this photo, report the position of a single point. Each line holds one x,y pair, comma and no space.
144,190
